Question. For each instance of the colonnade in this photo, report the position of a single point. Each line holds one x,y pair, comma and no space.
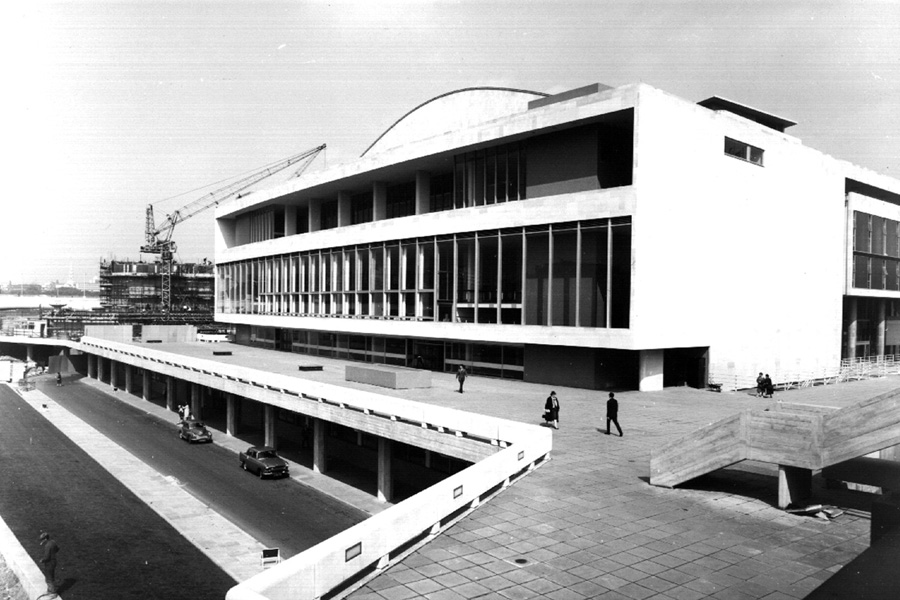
101,368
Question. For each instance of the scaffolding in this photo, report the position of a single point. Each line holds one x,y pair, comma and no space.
135,287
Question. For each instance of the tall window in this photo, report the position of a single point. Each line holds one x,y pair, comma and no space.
401,200
361,208
489,176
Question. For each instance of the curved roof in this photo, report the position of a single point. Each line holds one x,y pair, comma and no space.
451,111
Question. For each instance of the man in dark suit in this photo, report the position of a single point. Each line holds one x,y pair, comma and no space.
612,413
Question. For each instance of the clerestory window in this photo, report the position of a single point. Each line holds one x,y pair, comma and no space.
743,151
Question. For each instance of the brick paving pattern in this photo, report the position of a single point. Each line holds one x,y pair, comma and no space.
588,525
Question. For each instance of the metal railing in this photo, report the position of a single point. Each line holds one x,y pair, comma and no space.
849,369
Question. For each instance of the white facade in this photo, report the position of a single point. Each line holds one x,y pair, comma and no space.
733,266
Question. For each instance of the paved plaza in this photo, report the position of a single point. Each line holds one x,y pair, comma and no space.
587,524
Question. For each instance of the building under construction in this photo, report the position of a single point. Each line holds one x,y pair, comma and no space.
135,288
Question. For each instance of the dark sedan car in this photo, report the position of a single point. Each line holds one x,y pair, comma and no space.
263,461
194,431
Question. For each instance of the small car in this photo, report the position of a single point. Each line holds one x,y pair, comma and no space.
263,461
194,431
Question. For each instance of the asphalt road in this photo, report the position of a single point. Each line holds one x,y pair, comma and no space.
280,513
112,545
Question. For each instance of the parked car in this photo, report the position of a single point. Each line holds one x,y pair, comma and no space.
194,431
263,461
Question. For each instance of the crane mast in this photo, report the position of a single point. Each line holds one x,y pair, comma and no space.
158,238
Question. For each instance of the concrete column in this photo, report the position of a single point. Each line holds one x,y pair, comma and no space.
170,392
423,192
794,485
101,368
379,200
851,328
344,217
290,220
196,407
319,462
385,482
92,366
129,379
147,391
269,426
113,374
650,370
29,352
880,324
230,422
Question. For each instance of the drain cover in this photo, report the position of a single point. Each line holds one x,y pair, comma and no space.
521,561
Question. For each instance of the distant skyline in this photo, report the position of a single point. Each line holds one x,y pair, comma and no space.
114,105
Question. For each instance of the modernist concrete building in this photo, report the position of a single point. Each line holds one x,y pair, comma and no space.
601,238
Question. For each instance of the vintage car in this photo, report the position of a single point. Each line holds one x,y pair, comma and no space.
194,431
263,461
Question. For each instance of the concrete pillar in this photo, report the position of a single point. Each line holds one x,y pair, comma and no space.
129,378
851,328
319,462
170,393
423,192
880,328
230,413
385,482
650,370
113,374
379,200
344,217
794,485
269,426
29,352
290,220
196,407
146,391
92,366
101,368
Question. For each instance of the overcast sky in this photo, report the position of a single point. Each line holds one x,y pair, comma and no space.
109,106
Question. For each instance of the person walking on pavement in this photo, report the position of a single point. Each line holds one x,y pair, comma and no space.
612,413
760,385
48,561
552,408
58,379
461,377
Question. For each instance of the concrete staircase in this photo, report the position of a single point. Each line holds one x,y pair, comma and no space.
798,438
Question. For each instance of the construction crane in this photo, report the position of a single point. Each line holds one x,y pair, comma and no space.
159,237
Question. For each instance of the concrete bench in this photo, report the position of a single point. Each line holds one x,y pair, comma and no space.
867,471
395,378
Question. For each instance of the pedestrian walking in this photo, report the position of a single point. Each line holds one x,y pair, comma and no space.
768,388
461,377
760,385
552,408
48,561
58,379
612,413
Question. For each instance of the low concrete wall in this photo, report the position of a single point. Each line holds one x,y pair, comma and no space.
396,378
169,333
113,333
367,546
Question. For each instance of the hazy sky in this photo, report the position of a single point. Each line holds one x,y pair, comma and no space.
109,106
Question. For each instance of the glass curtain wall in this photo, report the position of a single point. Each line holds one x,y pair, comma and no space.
567,275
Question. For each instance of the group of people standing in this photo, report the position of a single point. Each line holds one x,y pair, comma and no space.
764,387
184,411
551,412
